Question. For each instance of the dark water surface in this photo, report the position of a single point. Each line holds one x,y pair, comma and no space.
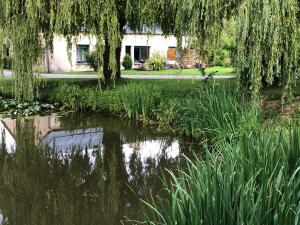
82,168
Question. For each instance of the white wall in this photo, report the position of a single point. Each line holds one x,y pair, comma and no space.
59,62
157,43
60,59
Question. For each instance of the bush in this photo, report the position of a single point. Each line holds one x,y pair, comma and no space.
219,58
156,62
127,62
91,59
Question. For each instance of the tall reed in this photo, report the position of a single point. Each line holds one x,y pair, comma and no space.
140,100
218,111
254,181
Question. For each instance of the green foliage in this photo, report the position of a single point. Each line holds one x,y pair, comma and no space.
91,60
15,108
29,26
75,97
7,63
127,62
227,45
26,27
155,62
266,40
217,111
71,95
252,181
267,44
140,100
218,58
6,87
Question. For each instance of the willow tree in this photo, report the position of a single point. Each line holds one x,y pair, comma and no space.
197,22
267,34
103,19
27,27
267,40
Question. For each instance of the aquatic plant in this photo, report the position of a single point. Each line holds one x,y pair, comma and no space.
253,181
15,108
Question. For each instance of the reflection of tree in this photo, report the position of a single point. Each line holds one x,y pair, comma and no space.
41,186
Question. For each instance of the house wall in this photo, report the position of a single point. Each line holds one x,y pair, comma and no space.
159,44
59,61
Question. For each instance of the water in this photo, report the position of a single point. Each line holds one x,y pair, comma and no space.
82,168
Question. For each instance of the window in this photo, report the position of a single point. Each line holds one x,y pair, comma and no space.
81,52
128,50
141,53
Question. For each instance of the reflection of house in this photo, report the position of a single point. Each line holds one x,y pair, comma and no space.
139,46
42,125
1,218
63,140
48,132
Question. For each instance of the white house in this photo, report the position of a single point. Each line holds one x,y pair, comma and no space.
138,46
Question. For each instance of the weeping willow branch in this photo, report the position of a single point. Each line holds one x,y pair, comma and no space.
1,49
267,33
98,18
267,38
198,21
23,23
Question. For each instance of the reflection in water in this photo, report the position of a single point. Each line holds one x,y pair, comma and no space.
1,218
80,169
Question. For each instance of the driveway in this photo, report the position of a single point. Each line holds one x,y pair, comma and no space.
74,76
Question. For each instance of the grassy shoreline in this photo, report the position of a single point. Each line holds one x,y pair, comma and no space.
178,105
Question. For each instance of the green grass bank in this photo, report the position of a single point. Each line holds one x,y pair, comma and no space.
188,107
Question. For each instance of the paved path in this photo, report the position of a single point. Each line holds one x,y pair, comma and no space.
78,76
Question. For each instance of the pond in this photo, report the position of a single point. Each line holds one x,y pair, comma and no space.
83,168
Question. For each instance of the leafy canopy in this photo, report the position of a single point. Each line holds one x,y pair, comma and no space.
266,37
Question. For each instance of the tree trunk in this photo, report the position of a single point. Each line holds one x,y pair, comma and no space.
118,60
106,70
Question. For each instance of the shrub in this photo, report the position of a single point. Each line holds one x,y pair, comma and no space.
71,96
219,58
127,62
156,62
91,60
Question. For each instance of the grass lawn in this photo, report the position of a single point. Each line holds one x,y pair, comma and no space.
270,93
220,70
